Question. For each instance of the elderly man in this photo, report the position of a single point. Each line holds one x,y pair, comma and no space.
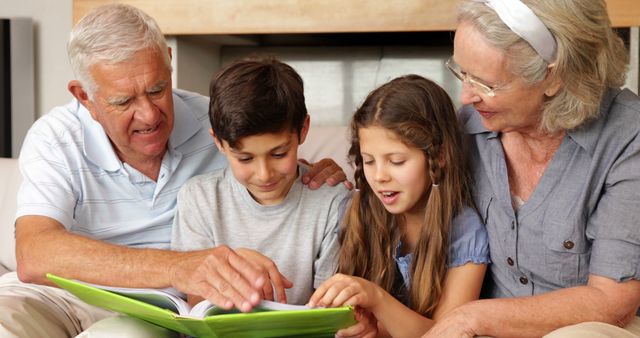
101,176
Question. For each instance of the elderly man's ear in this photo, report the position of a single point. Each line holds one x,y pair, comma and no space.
76,89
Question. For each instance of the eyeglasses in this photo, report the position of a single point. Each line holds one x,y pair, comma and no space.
468,79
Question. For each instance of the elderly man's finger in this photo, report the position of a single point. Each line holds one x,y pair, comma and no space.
337,177
324,171
253,273
276,281
227,277
222,293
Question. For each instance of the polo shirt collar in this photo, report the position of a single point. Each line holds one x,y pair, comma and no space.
98,148
185,124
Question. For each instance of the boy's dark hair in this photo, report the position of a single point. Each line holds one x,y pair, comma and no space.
255,96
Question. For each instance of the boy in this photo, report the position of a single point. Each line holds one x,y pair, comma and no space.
258,118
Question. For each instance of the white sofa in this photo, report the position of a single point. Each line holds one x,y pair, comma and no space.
321,142
10,180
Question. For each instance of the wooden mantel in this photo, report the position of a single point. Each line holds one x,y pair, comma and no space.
194,17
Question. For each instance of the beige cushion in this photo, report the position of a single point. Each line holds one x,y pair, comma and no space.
10,180
327,142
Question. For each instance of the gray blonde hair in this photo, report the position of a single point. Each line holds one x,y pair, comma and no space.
590,56
112,34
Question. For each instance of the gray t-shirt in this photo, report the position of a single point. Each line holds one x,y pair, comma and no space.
299,234
583,216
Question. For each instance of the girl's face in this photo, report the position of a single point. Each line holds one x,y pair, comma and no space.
516,105
396,172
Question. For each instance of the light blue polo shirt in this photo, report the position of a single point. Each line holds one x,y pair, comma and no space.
72,174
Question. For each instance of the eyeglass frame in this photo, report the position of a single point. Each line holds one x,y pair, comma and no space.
468,79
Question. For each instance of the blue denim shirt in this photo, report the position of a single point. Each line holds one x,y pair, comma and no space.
583,217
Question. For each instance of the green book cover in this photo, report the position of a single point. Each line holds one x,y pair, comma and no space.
163,308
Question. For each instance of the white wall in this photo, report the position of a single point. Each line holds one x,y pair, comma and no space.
52,24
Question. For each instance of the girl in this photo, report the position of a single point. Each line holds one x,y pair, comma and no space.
412,247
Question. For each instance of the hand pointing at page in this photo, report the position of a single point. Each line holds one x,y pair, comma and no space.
228,278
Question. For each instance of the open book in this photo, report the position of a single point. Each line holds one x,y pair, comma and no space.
165,307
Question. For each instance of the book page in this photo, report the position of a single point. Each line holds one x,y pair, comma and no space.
169,298
266,305
205,308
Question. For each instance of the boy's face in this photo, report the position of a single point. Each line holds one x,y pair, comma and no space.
266,164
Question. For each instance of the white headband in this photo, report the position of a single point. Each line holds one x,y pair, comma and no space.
526,24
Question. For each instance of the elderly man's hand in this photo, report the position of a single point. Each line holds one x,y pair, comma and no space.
228,278
276,282
324,171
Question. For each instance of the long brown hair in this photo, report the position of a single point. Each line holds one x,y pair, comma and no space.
421,113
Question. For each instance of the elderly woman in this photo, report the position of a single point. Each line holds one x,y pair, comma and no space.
556,155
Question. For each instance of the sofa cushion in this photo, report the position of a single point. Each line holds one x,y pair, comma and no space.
327,142
10,180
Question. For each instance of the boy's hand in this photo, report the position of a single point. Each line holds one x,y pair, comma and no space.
324,171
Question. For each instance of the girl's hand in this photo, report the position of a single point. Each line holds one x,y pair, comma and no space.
342,290
367,326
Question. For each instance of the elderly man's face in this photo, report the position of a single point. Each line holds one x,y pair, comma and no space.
134,104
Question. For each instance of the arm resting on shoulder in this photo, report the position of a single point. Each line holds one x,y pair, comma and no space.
324,171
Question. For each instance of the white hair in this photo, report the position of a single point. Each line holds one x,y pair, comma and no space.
112,34
591,57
